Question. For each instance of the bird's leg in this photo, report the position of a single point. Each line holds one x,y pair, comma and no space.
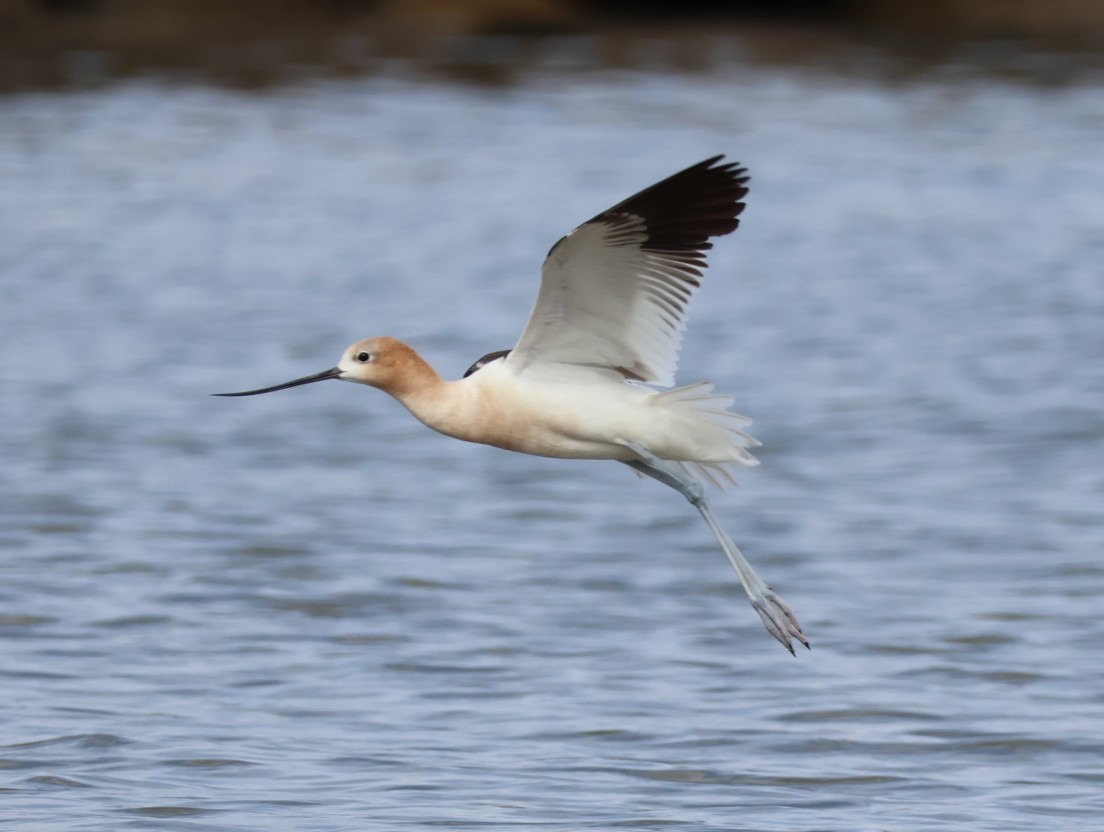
779,619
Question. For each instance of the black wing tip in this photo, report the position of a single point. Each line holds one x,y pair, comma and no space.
682,212
735,171
712,164
689,207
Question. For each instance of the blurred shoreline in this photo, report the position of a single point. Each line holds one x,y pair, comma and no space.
76,44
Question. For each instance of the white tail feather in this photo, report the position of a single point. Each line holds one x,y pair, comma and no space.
719,428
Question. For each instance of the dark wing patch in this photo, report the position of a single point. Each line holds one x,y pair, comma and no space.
683,211
485,360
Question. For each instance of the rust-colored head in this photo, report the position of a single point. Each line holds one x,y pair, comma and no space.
385,363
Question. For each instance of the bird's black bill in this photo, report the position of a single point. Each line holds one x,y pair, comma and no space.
335,372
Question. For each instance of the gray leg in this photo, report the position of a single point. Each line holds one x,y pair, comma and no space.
776,613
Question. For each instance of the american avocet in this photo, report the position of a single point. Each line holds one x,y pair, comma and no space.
608,319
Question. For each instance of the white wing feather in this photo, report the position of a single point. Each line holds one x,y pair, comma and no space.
614,292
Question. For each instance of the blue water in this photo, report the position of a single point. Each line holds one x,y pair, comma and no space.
305,611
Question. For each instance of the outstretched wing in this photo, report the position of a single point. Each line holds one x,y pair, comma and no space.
614,291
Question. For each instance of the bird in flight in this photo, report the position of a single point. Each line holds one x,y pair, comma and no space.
604,333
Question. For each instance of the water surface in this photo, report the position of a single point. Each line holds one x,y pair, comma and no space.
306,611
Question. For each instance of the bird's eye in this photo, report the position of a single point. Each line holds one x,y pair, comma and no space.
363,357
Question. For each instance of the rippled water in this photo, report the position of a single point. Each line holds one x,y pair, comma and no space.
306,611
